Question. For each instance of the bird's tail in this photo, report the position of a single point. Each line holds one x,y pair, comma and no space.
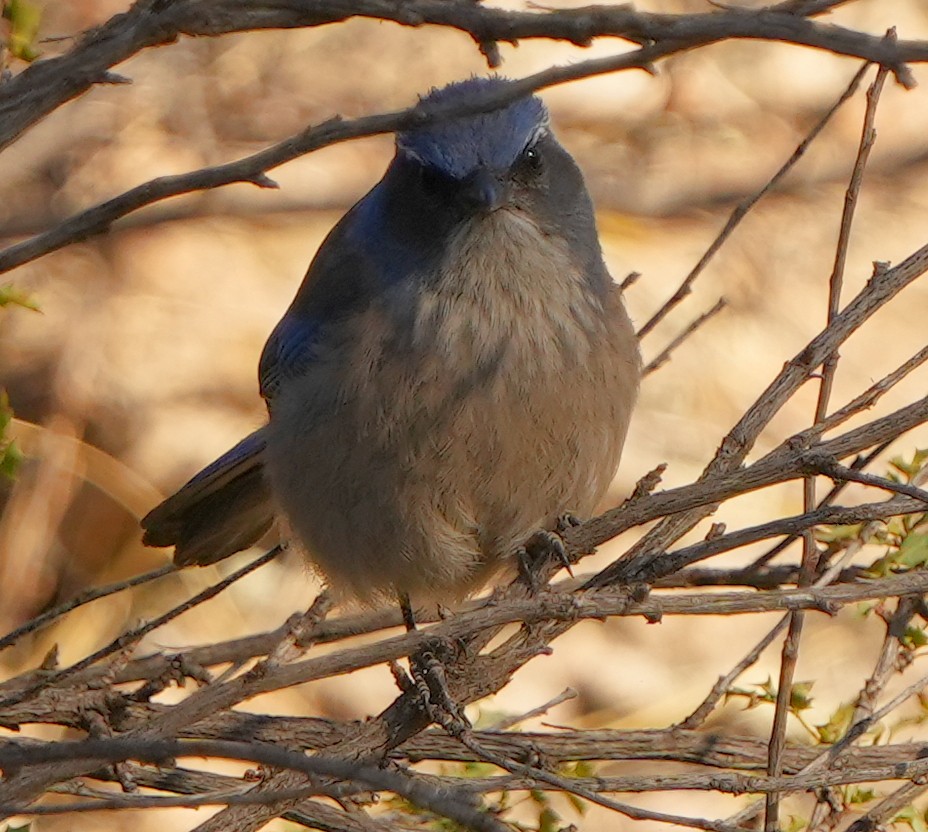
225,508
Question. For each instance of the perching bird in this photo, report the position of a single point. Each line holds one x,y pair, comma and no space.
455,373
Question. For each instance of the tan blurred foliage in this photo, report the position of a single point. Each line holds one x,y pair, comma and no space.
148,339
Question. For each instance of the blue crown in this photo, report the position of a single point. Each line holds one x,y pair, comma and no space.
492,140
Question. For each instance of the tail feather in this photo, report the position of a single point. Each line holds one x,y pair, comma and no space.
225,508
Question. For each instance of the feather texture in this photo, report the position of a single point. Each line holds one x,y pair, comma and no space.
456,371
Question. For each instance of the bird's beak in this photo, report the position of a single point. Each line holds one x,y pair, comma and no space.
484,191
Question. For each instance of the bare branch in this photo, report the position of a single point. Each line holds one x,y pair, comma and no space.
664,355
84,598
114,750
881,288
110,698
742,210
127,640
790,654
46,85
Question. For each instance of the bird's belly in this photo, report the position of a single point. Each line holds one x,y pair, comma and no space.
421,478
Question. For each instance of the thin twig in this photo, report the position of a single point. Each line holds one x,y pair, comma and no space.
511,721
858,464
721,687
114,750
809,563
835,471
568,785
873,393
640,559
888,807
83,598
865,400
742,210
724,683
46,85
886,665
664,355
856,730
131,637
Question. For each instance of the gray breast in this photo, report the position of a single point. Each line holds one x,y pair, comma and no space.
435,452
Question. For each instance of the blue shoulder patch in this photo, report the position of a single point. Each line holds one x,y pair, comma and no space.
492,140
286,353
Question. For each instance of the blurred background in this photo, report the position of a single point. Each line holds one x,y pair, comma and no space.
141,365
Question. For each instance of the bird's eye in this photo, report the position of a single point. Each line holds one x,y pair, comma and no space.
531,158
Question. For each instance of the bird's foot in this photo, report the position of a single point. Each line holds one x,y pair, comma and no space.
430,681
567,521
543,546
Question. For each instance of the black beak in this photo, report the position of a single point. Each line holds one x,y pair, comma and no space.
484,191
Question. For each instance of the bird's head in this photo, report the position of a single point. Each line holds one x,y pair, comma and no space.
477,162
472,173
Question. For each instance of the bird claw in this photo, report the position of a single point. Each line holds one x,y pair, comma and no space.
430,682
543,545
567,521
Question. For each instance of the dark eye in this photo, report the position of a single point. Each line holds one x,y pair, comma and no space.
530,160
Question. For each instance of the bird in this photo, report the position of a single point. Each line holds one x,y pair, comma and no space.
456,372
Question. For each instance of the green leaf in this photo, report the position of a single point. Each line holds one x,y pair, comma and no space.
769,690
880,568
6,412
857,795
10,455
794,824
914,637
538,796
837,725
913,551
24,17
11,296
548,820
799,696
578,803
11,458
476,769
838,534
582,768
910,468
913,818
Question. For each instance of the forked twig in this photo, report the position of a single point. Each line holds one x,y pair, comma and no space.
127,639
790,654
742,210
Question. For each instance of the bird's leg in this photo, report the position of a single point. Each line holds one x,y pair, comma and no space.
427,667
428,672
403,680
541,546
409,617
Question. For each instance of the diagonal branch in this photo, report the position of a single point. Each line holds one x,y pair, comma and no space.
46,85
879,290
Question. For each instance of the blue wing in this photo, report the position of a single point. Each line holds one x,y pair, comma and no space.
346,274
223,509
228,505
287,352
